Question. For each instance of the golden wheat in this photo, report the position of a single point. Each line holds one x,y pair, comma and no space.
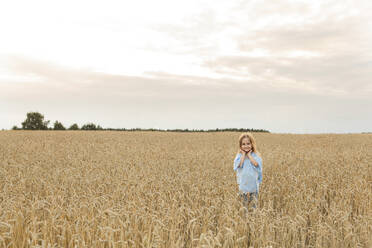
158,189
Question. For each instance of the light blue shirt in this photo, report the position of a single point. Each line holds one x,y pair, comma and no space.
249,177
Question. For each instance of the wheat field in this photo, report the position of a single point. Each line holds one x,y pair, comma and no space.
167,189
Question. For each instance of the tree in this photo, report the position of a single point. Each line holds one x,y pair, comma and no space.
74,127
15,127
58,126
35,121
89,126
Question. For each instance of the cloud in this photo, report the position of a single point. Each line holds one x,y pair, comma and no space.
343,74
41,78
51,81
331,35
293,46
165,100
281,65
329,53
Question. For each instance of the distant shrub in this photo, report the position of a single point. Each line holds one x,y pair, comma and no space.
91,126
58,126
74,127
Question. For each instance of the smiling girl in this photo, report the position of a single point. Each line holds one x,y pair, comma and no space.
248,167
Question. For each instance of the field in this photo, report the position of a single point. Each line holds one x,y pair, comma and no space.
158,189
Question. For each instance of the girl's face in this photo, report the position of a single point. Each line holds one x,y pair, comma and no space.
246,145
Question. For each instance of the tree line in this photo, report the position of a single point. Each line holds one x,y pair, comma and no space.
35,121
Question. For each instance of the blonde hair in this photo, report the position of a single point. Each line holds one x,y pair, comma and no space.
251,139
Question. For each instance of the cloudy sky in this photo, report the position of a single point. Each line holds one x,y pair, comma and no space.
281,65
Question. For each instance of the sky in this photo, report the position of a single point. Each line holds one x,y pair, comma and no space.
284,66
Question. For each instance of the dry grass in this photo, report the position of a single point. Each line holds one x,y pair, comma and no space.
153,189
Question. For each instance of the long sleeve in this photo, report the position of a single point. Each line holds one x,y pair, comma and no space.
237,161
259,167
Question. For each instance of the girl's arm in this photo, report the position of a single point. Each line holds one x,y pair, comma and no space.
253,161
257,163
239,160
242,159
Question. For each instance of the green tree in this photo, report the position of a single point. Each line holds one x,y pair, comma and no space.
35,121
74,127
89,126
58,126
15,127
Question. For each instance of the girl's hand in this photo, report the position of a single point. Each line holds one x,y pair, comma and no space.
242,152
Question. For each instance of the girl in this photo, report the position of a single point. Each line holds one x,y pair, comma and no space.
248,167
